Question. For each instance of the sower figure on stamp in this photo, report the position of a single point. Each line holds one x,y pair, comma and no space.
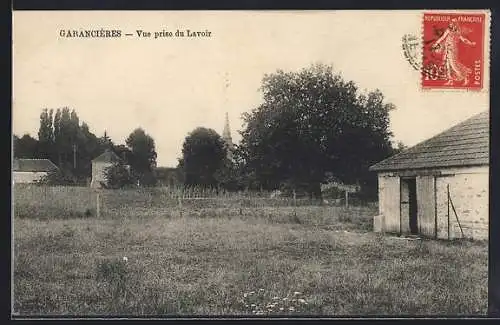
450,39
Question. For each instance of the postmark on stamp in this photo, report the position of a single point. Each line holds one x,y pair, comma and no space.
453,51
412,50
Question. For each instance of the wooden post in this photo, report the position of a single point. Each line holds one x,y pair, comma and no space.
294,202
456,216
346,198
448,204
435,209
180,204
74,156
98,208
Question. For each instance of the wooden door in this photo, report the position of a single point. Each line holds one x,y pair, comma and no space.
426,205
390,203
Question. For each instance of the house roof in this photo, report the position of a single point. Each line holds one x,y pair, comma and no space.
107,156
465,144
33,165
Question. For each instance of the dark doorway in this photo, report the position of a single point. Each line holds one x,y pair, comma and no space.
412,205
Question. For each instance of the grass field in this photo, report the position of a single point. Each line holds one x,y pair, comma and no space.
267,261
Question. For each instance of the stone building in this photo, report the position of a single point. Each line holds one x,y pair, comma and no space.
440,187
31,170
99,165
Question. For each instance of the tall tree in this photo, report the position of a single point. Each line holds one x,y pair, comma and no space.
123,152
203,157
66,133
45,134
57,137
88,149
312,122
143,157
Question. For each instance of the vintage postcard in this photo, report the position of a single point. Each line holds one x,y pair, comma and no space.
250,163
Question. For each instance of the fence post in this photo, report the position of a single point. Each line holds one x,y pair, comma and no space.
180,204
294,203
98,208
346,199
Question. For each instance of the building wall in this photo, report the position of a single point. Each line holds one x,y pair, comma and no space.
469,192
98,175
27,177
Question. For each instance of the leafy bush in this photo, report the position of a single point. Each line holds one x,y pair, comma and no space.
118,176
58,177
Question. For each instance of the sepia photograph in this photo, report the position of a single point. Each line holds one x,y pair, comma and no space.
264,164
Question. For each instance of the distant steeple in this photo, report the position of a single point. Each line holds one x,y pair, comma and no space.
226,136
106,141
226,133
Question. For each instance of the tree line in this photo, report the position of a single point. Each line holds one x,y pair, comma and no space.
70,144
312,127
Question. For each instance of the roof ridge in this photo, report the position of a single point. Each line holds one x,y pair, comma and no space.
106,153
456,126
33,164
429,141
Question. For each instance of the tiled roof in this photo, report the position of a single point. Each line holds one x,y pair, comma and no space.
107,156
465,144
33,165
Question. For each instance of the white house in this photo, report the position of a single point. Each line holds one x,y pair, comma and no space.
31,170
440,187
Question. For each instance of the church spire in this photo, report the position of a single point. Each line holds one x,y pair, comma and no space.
226,133
226,136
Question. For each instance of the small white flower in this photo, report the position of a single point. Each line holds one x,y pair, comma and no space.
296,293
281,308
125,259
285,299
245,295
302,301
291,309
251,292
261,290
276,298
252,305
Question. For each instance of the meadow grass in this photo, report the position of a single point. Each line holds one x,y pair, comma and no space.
239,261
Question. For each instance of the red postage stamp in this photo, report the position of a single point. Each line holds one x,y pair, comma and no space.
453,51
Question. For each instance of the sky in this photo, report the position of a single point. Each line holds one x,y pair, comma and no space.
169,86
